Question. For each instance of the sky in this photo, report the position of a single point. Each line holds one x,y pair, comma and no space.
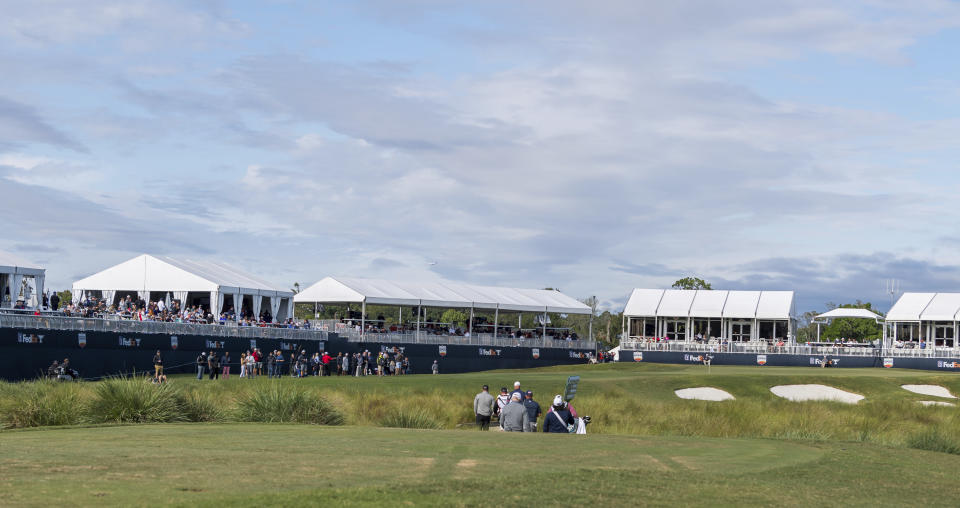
593,147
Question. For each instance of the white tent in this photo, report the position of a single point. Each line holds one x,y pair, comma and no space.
666,310
146,274
439,294
13,273
933,317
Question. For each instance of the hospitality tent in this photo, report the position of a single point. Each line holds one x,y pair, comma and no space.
444,294
681,314
843,312
147,274
13,273
931,317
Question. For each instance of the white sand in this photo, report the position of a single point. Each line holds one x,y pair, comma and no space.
936,403
704,393
932,390
799,393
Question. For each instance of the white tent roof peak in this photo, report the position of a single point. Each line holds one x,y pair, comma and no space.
163,273
909,306
843,312
438,294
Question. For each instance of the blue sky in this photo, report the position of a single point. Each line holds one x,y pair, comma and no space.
760,145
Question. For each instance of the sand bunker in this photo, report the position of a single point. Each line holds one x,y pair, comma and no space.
703,393
932,390
936,403
800,393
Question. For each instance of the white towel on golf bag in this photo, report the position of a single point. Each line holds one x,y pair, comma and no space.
581,427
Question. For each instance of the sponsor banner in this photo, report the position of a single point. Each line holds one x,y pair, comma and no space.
82,340
391,349
215,344
490,352
536,353
888,362
761,359
289,346
442,350
29,338
947,365
174,341
638,356
693,358
125,342
833,361
577,354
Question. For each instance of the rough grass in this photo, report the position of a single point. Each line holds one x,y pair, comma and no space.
635,399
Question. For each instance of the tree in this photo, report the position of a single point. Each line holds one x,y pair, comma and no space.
455,317
691,283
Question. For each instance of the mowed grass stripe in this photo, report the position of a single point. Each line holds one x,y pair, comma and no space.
286,465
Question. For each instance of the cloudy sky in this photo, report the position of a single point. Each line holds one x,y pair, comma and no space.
590,146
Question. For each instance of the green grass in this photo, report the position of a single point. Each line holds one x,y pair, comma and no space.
646,446
306,465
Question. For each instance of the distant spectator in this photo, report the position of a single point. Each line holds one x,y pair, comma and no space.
483,405
514,416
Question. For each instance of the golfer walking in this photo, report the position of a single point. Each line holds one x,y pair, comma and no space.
483,408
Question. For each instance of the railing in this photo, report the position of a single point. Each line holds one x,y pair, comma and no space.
765,348
51,321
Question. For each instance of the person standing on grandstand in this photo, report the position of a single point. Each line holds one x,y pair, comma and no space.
514,416
558,417
502,400
157,364
483,405
533,409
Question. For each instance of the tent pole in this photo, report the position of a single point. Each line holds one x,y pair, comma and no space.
418,322
496,320
470,325
544,324
363,317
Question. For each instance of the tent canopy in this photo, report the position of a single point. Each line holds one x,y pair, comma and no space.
438,294
849,313
10,263
926,307
710,304
161,273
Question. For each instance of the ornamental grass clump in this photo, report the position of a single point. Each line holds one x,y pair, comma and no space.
42,403
200,406
935,441
135,401
410,419
279,403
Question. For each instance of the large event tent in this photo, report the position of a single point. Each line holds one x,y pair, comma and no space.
931,317
738,315
340,290
13,272
187,281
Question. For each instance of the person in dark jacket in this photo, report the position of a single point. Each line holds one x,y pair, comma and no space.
533,409
558,418
54,301
213,363
201,362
